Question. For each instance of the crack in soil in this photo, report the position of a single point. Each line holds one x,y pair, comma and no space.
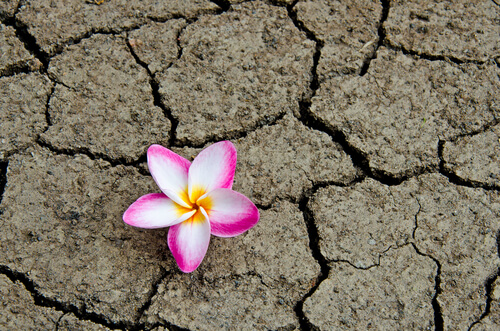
155,88
59,321
94,156
312,231
22,67
358,157
80,313
377,264
180,49
386,6
379,257
315,186
416,218
232,135
438,314
489,288
47,107
30,44
56,81
157,101
225,5
483,129
454,178
169,326
431,57
154,290
314,84
28,40
3,179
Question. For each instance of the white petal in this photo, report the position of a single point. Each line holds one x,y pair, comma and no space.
189,241
155,210
212,168
170,172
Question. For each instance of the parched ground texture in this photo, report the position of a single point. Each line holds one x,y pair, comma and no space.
368,135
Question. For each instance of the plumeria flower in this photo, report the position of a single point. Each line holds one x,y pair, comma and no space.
197,201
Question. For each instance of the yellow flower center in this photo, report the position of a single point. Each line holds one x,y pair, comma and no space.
195,204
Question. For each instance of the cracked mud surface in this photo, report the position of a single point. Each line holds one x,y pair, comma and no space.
367,133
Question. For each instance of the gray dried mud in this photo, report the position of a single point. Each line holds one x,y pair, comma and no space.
367,134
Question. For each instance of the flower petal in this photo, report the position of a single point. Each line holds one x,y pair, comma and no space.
189,241
212,168
230,213
170,172
155,210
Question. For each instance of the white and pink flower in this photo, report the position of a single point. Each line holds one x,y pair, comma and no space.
197,201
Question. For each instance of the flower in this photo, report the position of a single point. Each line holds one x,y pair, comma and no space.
197,201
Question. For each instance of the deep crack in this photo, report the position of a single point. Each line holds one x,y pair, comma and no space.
312,231
359,159
416,219
3,179
178,42
438,314
498,243
489,288
80,313
155,87
30,45
152,293
314,84
225,5
22,67
386,6
27,39
106,30
264,207
47,107
94,156
454,178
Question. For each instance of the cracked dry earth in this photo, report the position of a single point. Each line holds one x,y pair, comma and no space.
368,135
